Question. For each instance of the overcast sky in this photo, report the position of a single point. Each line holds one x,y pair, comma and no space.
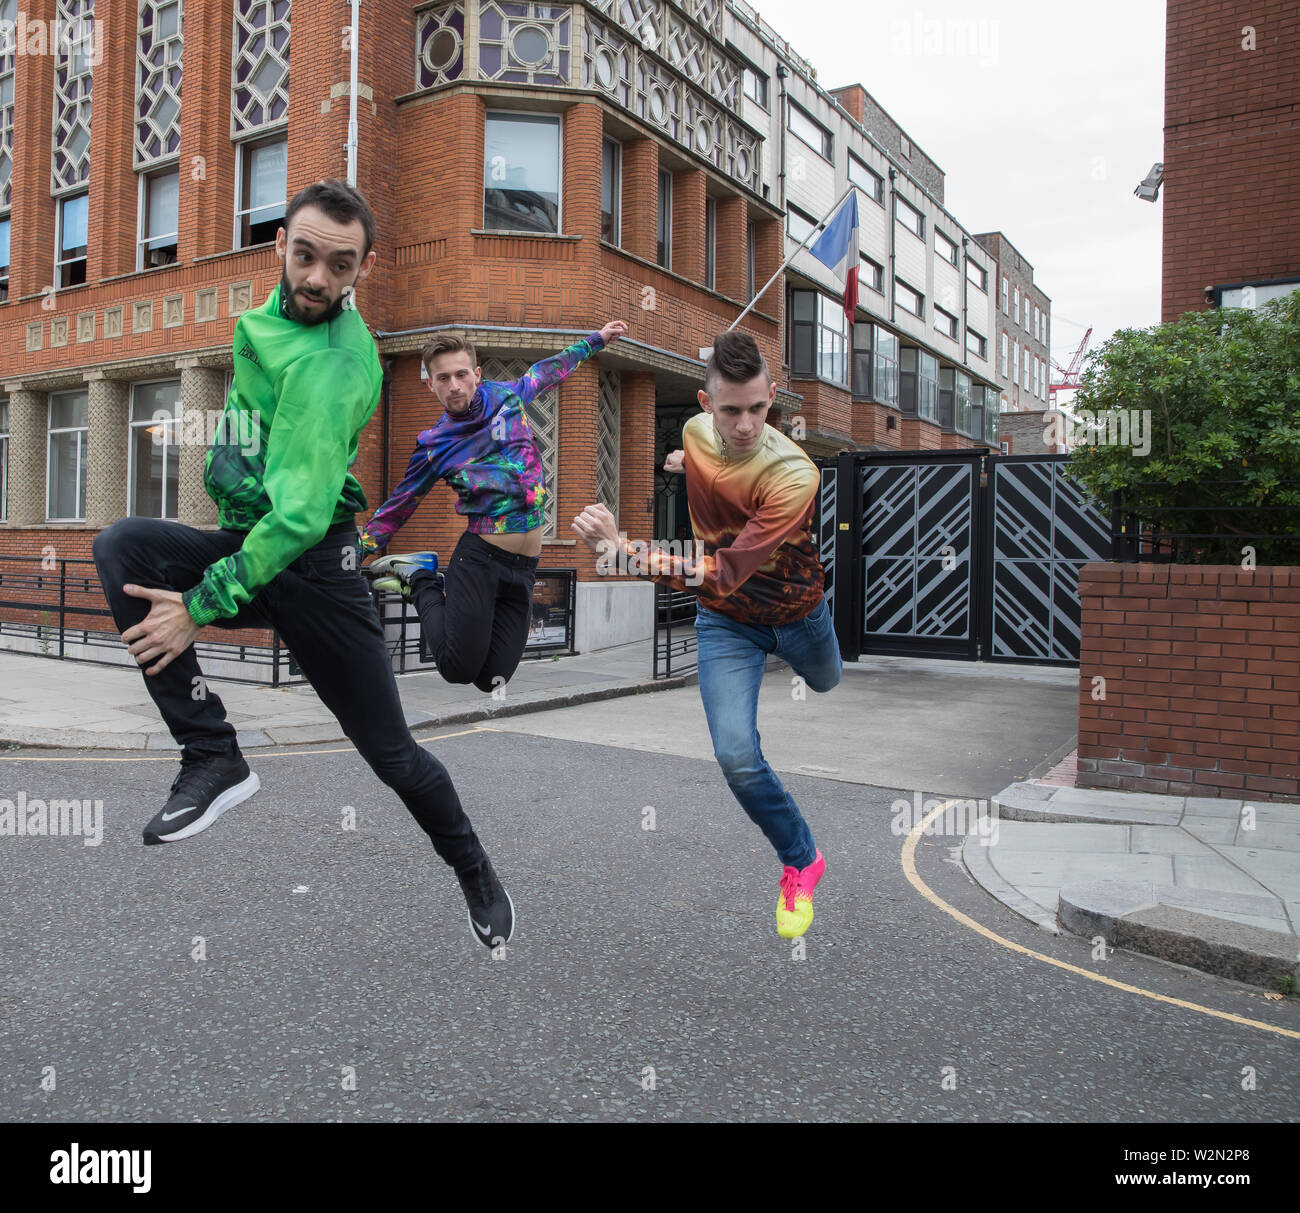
1070,117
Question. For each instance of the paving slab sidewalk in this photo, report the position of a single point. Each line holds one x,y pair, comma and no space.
44,702
1213,883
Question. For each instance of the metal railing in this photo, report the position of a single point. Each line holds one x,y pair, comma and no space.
1161,523
675,643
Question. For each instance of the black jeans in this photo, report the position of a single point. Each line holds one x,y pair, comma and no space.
324,613
476,632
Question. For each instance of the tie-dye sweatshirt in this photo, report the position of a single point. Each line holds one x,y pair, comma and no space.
753,514
487,454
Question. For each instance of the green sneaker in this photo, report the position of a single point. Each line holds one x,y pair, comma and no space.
393,573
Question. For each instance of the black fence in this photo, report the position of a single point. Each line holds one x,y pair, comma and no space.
1206,522
60,609
674,633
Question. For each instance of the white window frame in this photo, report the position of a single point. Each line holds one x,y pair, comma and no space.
790,212
131,427
242,148
981,349
877,192
616,196
1015,362
871,274
919,230
981,281
1006,300
950,326
559,161
59,261
83,438
142,213
5,269
827,149
761,85
920,312
951,257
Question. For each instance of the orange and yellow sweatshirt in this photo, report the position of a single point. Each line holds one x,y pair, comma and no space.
753,515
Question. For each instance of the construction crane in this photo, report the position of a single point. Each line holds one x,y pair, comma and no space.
1069,375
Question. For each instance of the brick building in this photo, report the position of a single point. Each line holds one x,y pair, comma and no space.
1023,364
1232,154
535,169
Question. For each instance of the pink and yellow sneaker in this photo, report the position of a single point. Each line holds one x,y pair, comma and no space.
794,907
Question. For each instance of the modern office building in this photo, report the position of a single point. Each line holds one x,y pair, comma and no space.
535,169
1023,329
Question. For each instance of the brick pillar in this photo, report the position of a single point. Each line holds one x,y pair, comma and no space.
641,197
637,455
32,251
207,162
688,224
203,393
28,428
318,123
583,141
769,252
576,487
733,214
114,187
107,440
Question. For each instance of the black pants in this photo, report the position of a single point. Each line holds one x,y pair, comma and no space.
476,632
324,613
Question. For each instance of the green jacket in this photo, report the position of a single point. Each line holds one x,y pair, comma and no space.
278,468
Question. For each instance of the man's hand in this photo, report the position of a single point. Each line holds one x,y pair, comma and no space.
166,632
676,461
613,331
598,529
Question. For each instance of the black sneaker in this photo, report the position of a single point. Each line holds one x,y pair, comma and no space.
204,789
491,912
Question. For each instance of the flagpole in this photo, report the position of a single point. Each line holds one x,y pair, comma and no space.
781,269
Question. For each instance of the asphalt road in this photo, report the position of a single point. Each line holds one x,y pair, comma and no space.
645,982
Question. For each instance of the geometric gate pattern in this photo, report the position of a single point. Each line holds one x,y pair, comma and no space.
918,546
1044,530
827,505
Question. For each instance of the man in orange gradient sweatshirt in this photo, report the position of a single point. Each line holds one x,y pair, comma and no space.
752,495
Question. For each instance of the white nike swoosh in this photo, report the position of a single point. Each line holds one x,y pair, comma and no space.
169,816
484,931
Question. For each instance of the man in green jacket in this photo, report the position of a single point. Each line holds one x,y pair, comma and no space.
306,381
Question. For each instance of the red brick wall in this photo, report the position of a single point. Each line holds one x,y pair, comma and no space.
1232,147
1202,680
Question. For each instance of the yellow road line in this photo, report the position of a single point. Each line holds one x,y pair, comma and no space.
252,754
909,870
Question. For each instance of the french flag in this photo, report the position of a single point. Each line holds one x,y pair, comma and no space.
837,249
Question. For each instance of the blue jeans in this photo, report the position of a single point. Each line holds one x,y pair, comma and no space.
731,660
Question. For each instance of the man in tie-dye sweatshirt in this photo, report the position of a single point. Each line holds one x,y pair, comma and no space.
476,623
752,495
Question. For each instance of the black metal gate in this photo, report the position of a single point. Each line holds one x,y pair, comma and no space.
960,554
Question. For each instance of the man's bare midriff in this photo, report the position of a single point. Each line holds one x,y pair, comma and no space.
520,543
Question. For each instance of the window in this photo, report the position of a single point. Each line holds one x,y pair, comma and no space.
1025,381
976,344
1025,318
962,401
870,274
945,247
749,262
1004,354
4,260
918,383
945,322
4,459
1015,314
908,299
70,264
1015,362
154,448
1038,324
66,468
875,364
811,132
1006,306
867,180
799,225
664,248
611,191
755,86
262,170
977,274
909,216
521,173
819,336
159,198
711,243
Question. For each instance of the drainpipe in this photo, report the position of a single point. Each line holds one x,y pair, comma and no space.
781,73
388,365
352,96
965,301
893,173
